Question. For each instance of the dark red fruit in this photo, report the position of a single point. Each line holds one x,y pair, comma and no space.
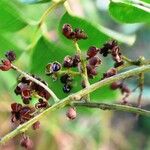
6,65
67,31
109,73
71,113
115,85
26,142
91,71
125,89
36,125
80,34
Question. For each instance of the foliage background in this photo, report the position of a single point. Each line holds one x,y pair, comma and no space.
93,129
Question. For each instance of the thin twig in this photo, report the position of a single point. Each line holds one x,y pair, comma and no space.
115,107
83,68
53,6
141,86
73,73
50,9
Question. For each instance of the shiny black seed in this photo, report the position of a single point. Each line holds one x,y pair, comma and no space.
56,66
65,78
67,88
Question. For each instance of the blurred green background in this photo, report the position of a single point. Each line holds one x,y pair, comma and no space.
92,129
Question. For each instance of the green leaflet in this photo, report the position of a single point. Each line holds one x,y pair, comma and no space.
34,1
10,17
127,12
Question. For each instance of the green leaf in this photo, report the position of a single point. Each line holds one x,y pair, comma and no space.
127,12
8,44
97,34
34,1
10,17
147,1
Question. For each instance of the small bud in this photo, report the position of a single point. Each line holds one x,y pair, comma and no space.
111,44
6,65
109,73
67,31
36,125
91,71
92,51
115,85
76,60
26,142
107,47
95,61
80,34
68,62
10,55
125,89
118,64
71,113
66,78
41,104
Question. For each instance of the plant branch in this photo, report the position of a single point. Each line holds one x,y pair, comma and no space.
50,9
73,73
141,86
42,19
77,96
56,99
115,107
83,68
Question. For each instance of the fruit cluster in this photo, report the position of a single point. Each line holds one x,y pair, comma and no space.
75,34
92,59
28,89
